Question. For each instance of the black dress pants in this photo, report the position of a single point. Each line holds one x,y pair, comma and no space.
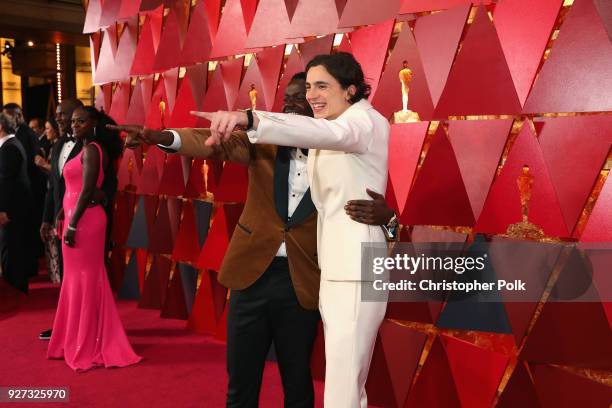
265,312
13,257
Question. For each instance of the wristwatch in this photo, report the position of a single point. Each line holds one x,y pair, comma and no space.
390,229
249,113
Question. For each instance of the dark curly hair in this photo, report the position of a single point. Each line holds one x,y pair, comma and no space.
346,70
108,139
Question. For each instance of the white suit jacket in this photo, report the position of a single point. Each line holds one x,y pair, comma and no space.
346,156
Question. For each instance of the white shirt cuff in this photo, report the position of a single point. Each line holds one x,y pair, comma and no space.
252,135
176,142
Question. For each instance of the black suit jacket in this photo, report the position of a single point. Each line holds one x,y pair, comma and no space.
57,186
31,146
14,184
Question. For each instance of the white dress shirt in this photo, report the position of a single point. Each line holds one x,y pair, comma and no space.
298,180
5,138
64,154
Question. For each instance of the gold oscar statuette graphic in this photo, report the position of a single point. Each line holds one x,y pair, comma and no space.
525,229
162,112
405,115
253,97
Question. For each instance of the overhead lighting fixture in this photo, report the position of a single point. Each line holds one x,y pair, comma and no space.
30,43
58,74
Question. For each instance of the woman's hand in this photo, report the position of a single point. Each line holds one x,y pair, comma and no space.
42,163
69,237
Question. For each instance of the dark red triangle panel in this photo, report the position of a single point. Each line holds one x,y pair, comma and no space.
388,96
478,146
232,35
599,226
405,144
477,372
503,204
366,12
520,390
576,75
265,34
198,41
479,82
438,196
524,28
434,386
575,150
437,36
369,46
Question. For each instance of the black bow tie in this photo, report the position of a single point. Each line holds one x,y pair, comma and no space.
70,139
304,151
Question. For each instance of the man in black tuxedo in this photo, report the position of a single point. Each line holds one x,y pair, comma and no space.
15,202
38,184
66,148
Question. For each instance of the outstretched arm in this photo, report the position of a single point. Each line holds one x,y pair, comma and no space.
191,142
352,132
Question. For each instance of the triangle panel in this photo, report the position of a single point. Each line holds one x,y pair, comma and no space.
388,98
575,150
439,196
232,35
576,75
405,145
480,82
437,36
503,204
478,146
524,28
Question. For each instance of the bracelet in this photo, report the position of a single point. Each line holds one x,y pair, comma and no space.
71,228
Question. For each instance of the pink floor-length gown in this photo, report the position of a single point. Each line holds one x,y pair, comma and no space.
87,331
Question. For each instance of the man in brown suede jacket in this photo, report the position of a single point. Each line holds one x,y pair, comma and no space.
271,262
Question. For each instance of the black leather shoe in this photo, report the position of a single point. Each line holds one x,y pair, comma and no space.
45,335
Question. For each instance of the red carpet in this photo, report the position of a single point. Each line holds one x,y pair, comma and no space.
180,369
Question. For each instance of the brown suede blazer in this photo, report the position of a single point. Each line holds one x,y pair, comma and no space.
264,224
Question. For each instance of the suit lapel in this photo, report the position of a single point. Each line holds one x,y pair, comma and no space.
281,182
75,150
304,209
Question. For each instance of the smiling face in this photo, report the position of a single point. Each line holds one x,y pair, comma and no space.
325,94
82,124
295,99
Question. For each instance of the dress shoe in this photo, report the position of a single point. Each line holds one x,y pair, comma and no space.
45,335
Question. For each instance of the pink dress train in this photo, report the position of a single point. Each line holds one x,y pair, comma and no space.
87,331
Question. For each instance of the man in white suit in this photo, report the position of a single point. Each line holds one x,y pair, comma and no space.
348,139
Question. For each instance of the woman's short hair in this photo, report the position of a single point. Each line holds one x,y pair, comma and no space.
346,70
8,123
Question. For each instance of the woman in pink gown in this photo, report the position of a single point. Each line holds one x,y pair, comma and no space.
87,331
